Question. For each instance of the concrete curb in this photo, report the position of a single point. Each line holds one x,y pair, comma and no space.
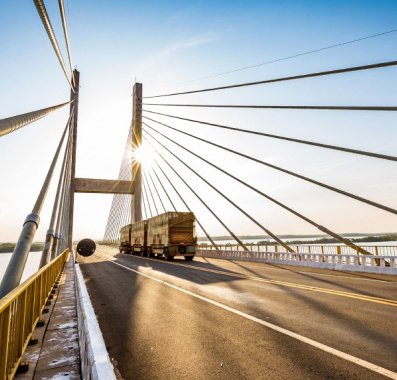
95,362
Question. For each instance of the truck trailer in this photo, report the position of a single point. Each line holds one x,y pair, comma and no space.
168,235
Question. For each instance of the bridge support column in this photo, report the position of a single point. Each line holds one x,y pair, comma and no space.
74,96
136,200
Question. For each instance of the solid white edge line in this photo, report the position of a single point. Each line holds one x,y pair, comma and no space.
323,347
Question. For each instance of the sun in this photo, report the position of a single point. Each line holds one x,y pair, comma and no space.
143,156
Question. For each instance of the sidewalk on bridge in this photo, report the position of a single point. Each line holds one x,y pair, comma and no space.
57,352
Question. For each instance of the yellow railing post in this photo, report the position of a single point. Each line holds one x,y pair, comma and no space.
4,340
19,312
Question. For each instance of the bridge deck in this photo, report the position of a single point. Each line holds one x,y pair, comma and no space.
230,320
57,355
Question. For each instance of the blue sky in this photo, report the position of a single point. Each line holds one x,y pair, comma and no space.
167,45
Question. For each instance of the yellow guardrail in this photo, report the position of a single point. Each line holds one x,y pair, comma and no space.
20,311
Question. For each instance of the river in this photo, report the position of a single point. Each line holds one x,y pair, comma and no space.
31,267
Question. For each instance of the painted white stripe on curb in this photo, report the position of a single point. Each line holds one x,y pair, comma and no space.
323,347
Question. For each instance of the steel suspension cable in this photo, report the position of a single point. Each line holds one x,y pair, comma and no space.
181,198
11,124
144,206
320,145
158,194
120,201
225,197
150,190
345,193
48,27
165,191
63,209
44,190
45,256
201,200
147,198
303,76
321,228
329,108
65,32
13,274
291,56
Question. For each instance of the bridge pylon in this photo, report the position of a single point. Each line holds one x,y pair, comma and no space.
136,199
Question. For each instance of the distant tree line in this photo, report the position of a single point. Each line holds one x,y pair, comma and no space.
365,239
9,247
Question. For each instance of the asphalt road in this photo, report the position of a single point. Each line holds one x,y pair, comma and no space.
218,319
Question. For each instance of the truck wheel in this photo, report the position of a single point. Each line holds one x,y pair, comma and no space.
189,258
167,255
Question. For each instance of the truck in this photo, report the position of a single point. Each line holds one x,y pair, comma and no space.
167,235
133,238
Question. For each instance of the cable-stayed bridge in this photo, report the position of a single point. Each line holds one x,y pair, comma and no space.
238,310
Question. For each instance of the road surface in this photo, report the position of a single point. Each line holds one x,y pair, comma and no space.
218,319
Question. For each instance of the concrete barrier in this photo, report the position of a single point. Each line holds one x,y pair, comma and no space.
95,362
342,262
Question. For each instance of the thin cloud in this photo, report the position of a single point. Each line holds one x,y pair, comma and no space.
169,50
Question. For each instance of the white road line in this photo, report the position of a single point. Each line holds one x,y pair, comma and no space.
323,347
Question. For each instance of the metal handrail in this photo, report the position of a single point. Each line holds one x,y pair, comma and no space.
377,250
389,262
20,311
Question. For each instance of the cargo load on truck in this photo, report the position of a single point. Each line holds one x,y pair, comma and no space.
168,235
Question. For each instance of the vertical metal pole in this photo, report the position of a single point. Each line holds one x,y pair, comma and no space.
13,274
136,199
45,256
73,96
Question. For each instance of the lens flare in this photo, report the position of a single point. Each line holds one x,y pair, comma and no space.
143,156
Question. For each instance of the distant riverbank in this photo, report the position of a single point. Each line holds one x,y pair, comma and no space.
9,247
303,239
365,239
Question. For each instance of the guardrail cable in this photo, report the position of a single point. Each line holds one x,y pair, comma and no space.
303,76
181,198
11,124
321,228
306,142
223,195
50,32
150,191
345,193
201,200
329,108
158,194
